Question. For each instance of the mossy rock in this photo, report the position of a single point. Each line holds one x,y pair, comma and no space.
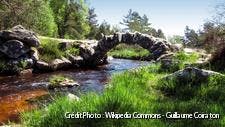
59,81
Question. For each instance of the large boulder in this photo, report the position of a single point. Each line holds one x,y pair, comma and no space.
191,75
60,63
34,54
42,66
21,34
14,48
77,61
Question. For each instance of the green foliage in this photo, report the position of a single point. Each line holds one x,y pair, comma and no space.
136,23
105,29
176,39
191,37
93,23
3,65
72,50
139,90
49,50
129,51
35,15
179,61
217,62
55,80
71,18
185,59
22,64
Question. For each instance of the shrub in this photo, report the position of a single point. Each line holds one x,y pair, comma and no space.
217,62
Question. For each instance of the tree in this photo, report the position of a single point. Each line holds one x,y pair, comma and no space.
93,23
191,37
176,39
211,36
32,14
104,28
134,22
160,34
71,18
219,18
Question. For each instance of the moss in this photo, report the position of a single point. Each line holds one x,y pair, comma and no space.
56,80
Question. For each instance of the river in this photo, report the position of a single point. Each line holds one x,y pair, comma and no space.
16,90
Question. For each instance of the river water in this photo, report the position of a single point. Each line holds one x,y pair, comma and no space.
16,90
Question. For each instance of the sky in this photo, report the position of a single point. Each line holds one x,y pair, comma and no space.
169,15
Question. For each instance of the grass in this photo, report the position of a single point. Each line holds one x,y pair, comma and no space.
129,52
49,50
142,90
179,61
12,68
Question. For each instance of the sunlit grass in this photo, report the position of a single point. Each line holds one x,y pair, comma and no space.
141,90
49,50
129,52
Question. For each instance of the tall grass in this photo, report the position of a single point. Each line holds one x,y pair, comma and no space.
179,61
129,51
49,50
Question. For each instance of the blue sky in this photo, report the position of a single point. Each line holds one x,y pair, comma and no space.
170,15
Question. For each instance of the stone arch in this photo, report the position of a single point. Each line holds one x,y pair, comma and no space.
96,53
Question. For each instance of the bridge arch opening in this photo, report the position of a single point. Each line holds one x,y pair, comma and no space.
127,51
96,53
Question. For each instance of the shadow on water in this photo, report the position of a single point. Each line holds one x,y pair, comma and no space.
15,90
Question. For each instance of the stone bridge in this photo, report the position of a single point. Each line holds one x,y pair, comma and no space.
96,53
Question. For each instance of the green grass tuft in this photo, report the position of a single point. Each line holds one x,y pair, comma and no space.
179,61
129,52
49,50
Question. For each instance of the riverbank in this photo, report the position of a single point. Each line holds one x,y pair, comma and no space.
15,91
143,90
142,94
